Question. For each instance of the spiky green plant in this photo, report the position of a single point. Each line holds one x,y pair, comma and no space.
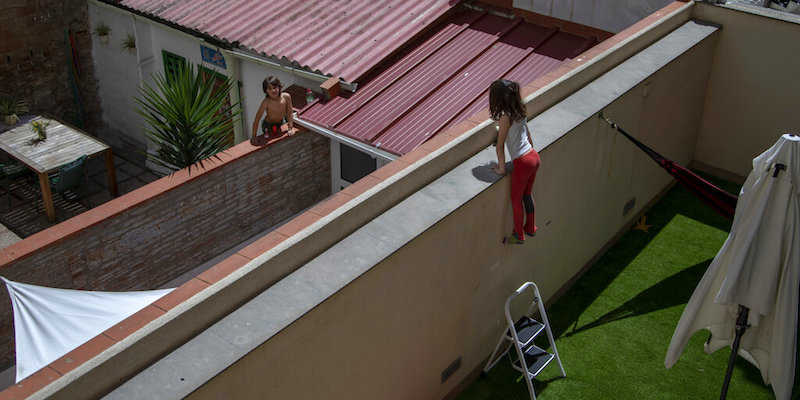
101,29
189,119
12,108
129,43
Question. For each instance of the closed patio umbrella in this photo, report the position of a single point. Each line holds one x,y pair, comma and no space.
756,270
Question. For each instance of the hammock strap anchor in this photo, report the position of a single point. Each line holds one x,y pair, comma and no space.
719,200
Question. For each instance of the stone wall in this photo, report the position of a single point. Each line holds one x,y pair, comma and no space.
34,62
160,231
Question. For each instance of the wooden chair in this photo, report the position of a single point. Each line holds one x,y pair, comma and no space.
68,177
9,171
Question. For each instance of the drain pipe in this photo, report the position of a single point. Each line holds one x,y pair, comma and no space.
361,146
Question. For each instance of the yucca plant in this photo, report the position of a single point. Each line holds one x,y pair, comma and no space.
11,108
189,119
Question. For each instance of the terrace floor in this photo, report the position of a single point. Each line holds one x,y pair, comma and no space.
25,215
613,326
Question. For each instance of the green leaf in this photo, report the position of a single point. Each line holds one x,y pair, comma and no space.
189,121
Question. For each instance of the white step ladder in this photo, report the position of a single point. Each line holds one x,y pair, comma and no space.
531,359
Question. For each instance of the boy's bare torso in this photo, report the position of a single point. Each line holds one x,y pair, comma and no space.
275,108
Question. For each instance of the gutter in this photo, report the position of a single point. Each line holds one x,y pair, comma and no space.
233,48
373,151
287,68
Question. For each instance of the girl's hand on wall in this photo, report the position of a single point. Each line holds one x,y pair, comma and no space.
498,169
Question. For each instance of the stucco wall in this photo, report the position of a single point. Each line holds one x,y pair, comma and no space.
159,237
392,332
753,90
608,15
117,75
120,73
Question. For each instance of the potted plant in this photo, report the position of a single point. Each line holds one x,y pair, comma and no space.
11,108
101,30
129,43
40,129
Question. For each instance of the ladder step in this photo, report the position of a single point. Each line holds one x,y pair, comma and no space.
532,359
536,359
527,328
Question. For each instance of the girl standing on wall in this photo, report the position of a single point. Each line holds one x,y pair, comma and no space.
505,105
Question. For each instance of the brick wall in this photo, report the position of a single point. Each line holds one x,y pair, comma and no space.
33,56
172,225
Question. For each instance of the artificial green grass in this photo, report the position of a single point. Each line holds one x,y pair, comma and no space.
614,325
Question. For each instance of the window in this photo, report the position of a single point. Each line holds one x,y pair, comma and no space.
355,164
172,62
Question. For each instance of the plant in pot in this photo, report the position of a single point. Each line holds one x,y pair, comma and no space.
11,108
40,129
101,30
129,43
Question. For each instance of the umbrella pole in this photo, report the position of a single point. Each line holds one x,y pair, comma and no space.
741,326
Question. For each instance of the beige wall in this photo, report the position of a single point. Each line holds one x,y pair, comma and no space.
754,90
390,334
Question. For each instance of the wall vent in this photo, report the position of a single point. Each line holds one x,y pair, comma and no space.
451,369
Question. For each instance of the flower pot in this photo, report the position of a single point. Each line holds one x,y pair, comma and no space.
103,38
10,119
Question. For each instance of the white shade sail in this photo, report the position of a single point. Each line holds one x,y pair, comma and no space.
49,322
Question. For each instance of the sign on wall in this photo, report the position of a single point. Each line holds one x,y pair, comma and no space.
212,56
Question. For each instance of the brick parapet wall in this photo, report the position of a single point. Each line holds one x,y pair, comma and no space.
34,61
162,230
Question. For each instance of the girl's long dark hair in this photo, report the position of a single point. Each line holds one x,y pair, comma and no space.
504,98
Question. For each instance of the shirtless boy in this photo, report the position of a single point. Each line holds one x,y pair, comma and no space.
278,108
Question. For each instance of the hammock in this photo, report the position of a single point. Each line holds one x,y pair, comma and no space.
719,200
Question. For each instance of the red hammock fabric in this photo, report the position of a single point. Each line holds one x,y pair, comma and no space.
719,200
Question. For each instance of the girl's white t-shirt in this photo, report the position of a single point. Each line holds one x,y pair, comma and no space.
517,139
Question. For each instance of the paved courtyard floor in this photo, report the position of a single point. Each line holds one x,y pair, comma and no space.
21,212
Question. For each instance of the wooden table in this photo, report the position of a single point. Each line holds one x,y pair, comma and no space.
64,144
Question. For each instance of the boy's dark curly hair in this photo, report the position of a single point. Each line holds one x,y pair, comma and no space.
271,80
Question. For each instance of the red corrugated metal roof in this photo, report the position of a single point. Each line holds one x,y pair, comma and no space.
445,79
341,38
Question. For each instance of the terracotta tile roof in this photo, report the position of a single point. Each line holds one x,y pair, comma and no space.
341,38
445,79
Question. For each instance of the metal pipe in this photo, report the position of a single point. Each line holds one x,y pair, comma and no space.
373,151
740,327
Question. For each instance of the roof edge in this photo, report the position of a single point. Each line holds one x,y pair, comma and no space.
194,32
